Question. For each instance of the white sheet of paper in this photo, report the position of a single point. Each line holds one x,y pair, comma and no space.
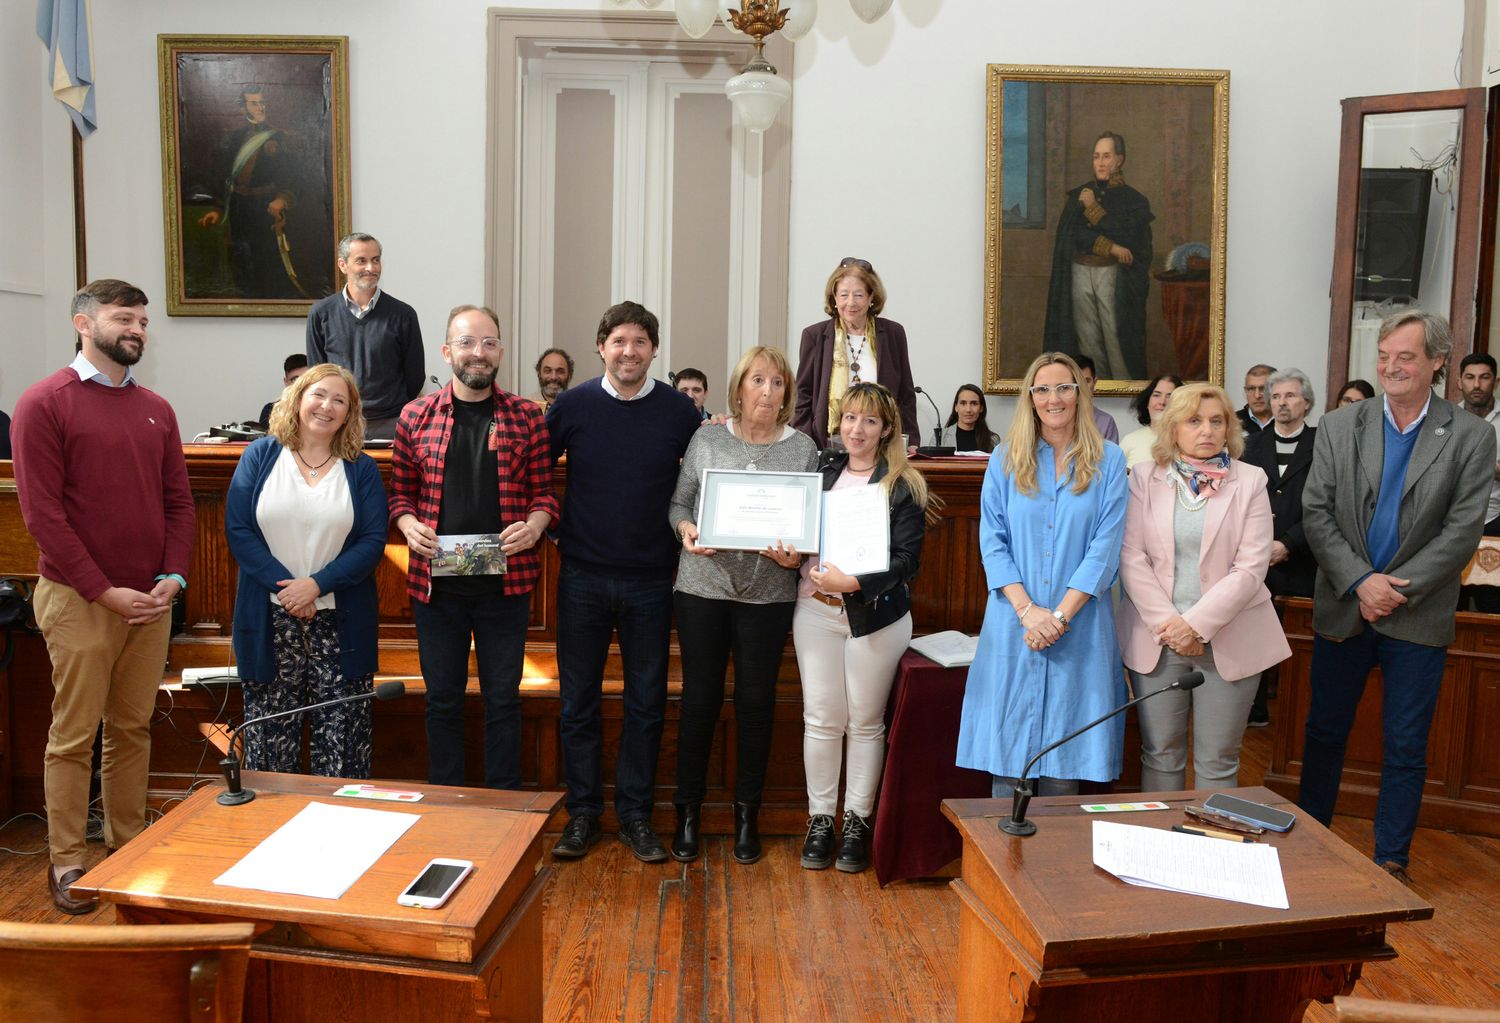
951,649
1191,864
856,530
757,509
320,852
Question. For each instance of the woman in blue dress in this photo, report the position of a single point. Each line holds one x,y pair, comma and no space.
1052,516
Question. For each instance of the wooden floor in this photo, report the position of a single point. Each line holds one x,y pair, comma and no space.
717,941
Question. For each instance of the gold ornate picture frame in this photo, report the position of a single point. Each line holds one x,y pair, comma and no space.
255,171
1132,274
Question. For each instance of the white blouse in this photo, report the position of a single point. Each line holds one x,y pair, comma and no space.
305,526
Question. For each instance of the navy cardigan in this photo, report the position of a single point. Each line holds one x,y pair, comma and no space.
350,576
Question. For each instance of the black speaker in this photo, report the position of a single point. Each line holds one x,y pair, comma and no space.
1392,232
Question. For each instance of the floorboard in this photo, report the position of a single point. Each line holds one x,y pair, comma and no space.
717,941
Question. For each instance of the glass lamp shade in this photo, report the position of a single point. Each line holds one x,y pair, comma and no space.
756,97
869,11
799,18
697,16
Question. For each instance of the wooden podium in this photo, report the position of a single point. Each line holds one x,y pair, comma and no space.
1044,935
360,957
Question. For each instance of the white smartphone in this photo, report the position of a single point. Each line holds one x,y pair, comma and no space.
435,883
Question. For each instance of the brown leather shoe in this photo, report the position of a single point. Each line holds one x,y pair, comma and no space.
62,896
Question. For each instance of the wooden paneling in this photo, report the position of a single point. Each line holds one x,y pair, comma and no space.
1463,760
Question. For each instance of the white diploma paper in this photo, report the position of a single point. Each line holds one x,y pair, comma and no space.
758,509
856,530
320,852
1191,864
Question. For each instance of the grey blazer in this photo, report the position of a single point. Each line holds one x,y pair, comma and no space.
1443,502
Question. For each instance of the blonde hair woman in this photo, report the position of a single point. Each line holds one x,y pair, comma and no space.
305,517
851,631
1197,545
1052,513
734,602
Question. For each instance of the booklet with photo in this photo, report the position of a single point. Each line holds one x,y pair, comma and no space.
468,554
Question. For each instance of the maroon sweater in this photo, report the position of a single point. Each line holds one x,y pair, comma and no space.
103,484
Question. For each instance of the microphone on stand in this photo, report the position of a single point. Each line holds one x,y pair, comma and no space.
1016,823
937,429
234,793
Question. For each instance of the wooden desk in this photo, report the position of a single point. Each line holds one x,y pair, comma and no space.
360,957
1045,935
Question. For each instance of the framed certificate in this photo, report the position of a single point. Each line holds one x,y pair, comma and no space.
742,510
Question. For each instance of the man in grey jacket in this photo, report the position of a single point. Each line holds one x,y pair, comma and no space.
1393,509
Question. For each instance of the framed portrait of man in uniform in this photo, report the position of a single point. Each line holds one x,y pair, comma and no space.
255,167
1106,198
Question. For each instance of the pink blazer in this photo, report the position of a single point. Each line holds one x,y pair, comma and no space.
1235,613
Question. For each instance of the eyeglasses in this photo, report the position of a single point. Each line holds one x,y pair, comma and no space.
1064,391
863,264
467,343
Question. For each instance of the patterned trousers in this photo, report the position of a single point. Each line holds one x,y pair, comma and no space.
307,671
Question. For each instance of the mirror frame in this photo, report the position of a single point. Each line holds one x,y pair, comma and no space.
1462,304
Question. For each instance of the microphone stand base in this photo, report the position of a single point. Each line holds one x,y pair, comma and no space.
243,796
1019,828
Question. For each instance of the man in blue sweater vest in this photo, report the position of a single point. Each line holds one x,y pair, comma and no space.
624,434
1393,509
373,335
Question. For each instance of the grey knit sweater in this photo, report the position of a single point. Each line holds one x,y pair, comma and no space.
735,575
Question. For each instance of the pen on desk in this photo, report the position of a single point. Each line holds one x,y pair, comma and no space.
1186,829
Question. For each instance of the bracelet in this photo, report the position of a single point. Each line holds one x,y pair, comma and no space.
1021,614
1061,618
179,580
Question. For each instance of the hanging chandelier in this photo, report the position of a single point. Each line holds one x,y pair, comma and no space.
758,92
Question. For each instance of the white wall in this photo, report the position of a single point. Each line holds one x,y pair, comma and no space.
902,101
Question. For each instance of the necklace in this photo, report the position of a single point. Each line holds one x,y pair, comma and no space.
849,468
751,458
312,470
855,355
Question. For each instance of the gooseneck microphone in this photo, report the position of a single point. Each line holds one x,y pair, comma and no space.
1016,823
937,429
234,793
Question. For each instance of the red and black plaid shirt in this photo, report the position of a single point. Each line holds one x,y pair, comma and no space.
525,480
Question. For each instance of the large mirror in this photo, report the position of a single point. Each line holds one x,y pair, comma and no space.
1408,221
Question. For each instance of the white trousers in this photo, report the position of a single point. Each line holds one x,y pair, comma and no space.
845,685
1220,711
1094,319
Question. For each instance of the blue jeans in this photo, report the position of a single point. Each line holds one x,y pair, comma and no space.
639,611
1412,676
497,625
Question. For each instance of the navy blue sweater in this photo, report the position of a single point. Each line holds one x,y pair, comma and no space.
623,458
383,350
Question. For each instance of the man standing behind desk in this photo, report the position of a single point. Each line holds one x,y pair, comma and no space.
624,434
104,491
1393,509
372,334
469,459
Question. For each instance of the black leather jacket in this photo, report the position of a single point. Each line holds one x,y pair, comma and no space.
882,597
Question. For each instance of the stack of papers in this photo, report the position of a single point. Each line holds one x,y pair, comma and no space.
950,649
1191,864
320,852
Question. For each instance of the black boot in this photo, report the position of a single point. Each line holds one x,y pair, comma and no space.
817,851
685,838
854,845
746,833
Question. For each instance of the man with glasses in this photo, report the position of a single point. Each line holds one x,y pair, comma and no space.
472,464
373,335
1256,415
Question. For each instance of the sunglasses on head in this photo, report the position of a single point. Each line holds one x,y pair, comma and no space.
863,264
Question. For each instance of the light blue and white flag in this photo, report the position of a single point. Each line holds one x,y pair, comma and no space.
68,32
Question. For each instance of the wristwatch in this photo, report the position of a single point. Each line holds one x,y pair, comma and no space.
1061,618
